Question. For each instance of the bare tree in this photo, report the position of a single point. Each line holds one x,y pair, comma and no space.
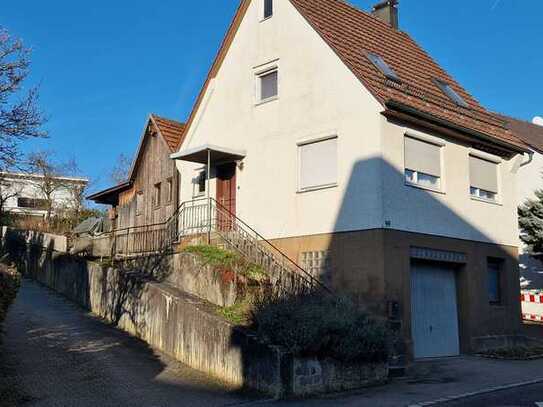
119,173
42,163
20,117
8,190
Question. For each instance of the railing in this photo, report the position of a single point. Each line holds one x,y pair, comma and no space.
212,218
207,217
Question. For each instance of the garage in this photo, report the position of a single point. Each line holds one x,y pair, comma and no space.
434,310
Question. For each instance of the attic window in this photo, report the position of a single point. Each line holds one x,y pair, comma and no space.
451,94
383,67
268,9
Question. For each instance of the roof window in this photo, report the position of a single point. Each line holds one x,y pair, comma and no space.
383,67
450,92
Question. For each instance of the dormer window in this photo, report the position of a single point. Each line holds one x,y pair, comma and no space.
268,9
383,67
450,92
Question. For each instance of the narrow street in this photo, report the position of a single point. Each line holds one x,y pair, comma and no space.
54,354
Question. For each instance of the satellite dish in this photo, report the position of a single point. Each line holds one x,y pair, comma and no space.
538,120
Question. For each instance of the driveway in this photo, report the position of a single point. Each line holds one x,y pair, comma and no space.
55,354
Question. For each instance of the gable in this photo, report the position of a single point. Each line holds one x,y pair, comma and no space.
351,34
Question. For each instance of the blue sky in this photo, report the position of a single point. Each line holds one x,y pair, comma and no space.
104,65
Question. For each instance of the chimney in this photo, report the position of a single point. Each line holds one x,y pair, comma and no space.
387,11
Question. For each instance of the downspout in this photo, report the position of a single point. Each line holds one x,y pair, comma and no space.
530,159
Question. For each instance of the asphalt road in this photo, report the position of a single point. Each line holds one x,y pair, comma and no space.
54,354
529,396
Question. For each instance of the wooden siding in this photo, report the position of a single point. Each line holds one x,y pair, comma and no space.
154,166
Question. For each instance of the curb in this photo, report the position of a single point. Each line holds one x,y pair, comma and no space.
476,393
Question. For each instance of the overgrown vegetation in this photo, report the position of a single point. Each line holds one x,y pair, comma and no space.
228,260
9,285
307,325
319,325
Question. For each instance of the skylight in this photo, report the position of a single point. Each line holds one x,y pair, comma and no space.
447,90
383,67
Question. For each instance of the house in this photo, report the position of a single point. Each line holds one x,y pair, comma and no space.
150,194
530,180
340,140
26,194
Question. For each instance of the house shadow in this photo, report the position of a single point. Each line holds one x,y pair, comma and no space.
386,230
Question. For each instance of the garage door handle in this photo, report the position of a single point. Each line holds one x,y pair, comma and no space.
431,328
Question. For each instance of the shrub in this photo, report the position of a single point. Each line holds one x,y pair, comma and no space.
319,325
9,284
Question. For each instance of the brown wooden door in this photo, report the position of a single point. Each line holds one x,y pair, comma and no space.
226,194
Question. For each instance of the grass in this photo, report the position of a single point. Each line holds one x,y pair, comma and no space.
217,257
237,314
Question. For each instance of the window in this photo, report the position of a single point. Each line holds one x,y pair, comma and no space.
383,67
157,194
268,8
483,178
200,183
451,94
32,203
317,264
494,268
139,203
318,164
169,189
268,87
422,163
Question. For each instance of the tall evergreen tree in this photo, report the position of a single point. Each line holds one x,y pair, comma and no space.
531,222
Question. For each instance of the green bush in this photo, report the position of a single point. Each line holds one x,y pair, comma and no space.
9,284
319,325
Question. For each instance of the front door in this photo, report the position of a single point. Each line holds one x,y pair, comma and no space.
226,194
434,312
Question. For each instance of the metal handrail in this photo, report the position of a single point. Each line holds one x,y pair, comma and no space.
258,236
176,227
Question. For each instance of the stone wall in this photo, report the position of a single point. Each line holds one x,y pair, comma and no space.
185,326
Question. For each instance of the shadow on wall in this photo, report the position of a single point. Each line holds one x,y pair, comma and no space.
374,264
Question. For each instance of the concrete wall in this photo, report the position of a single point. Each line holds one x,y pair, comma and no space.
48,241
171,321
374,267
188,329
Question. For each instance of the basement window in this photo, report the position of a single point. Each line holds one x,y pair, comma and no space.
494,268
383,67
451,93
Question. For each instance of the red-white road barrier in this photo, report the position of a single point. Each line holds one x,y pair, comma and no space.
532,307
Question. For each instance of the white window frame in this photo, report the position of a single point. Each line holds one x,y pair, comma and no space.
497,195
196,193
263,10
258,84
303,143
429,140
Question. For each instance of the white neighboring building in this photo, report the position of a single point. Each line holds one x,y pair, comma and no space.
530,180
25,197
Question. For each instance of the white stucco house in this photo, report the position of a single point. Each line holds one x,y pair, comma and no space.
334,135
23,193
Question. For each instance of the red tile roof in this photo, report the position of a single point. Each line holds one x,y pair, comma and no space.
529,133
351,33
171,130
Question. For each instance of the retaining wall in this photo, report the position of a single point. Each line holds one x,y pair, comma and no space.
185,326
